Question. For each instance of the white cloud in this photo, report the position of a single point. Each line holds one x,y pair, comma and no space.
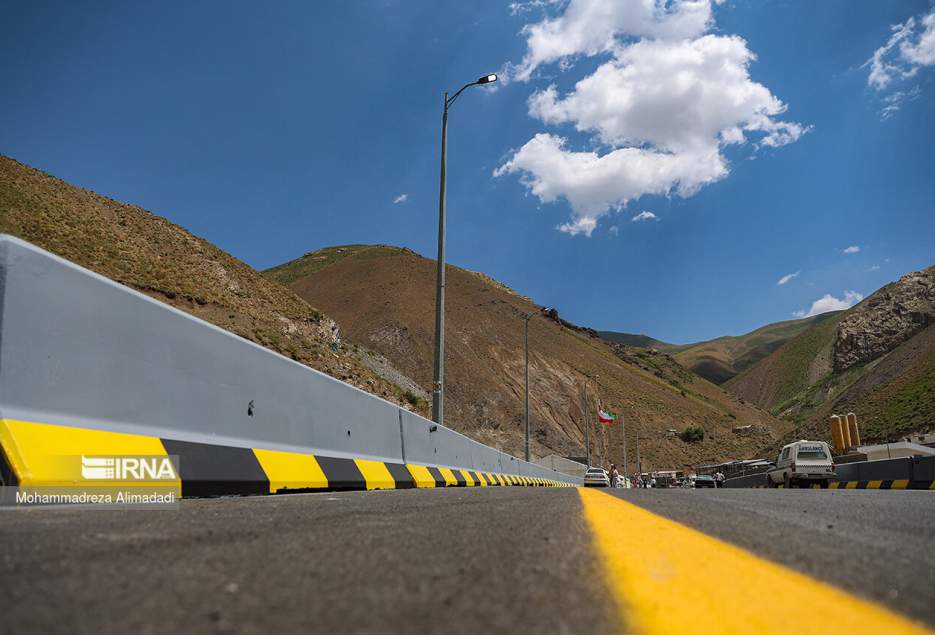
874,268
645,215
662,108
593,183
910,48
518,8
892,103
592,27
787,278
402,198
853,249
830,303
679,96
614,229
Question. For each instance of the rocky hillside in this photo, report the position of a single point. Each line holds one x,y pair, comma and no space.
889,317
148,253
384,297
876,359
722,358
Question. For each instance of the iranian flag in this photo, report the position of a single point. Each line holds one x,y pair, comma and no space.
605,416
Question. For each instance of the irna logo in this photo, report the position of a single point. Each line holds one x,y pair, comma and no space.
127,468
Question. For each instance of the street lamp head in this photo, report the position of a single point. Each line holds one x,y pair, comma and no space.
487,79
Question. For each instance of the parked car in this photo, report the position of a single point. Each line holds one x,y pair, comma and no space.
802,463
596,477
704,480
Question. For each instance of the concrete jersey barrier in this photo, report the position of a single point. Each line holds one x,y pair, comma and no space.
90,367
900,473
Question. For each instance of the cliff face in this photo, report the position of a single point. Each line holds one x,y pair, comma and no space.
886,319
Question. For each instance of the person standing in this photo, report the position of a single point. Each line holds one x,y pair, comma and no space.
614,476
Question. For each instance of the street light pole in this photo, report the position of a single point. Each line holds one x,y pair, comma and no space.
438,402
526,319
438,384
526,344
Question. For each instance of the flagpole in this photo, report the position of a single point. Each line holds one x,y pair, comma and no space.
639,461
603,445
623,431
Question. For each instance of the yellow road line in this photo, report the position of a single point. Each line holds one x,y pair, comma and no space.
667,578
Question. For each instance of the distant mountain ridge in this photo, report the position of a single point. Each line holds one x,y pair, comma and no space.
720,359
631,339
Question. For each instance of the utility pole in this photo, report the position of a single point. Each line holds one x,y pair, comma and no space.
438,384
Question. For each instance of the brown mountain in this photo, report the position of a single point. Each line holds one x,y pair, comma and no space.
148,253
722,358
384,298
877,359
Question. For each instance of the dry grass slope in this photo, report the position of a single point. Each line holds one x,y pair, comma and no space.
384,296
148,253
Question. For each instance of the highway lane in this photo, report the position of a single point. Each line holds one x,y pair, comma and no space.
461,560
453,560
874,543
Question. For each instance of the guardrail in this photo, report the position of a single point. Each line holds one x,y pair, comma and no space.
90,367
900,473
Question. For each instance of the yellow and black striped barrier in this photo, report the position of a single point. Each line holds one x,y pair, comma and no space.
43,455
899,483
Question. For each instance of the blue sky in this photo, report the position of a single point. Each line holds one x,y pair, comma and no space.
275,130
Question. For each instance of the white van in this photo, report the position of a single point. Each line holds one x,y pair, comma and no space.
802,463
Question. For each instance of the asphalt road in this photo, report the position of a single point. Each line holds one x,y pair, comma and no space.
877,544
478,560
